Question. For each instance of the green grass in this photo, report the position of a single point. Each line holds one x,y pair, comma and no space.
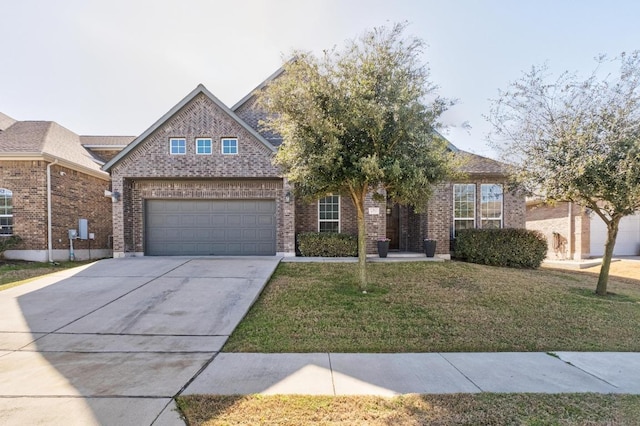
438,307
14,273
458,409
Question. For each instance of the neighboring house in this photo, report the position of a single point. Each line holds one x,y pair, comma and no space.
48,182
574,232
200,181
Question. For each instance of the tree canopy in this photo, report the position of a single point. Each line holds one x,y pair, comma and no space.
360,119
576,139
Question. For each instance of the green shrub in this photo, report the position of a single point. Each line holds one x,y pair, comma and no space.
324,244
516,248
7,243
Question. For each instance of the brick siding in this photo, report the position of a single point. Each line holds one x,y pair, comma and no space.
74,195
572,239
375,225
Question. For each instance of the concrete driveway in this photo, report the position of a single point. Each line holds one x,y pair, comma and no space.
111,343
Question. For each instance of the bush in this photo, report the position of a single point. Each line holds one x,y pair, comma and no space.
324,244
7,243
515,248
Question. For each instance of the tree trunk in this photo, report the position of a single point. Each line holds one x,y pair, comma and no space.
603,278
358,200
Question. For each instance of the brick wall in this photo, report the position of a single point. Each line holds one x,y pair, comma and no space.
249,174
436,223
74,195
28,182
375,225
439,217
572,235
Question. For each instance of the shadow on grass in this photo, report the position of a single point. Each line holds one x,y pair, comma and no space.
610,297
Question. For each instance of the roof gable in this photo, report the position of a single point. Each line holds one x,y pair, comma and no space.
5,122
200,89
477,165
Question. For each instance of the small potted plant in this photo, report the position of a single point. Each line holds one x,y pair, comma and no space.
383,246
429,247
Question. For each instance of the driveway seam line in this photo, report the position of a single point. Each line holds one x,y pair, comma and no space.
333,381
583,370
459,371
195,376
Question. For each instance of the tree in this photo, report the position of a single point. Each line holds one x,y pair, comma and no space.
359,120
576,140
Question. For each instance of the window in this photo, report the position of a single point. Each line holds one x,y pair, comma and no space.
6,212
229,146
464,207
203,146
329,214
178,146
491,206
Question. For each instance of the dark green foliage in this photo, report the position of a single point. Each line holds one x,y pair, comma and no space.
7,243
324,244
516,248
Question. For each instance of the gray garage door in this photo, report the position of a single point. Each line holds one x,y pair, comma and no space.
210,227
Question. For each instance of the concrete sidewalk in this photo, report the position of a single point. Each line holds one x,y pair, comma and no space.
430,373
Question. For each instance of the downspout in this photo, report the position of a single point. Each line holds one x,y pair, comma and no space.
570,231
50,238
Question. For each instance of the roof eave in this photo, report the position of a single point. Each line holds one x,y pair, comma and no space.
39,156
260,86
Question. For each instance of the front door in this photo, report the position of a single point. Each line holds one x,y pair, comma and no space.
393,225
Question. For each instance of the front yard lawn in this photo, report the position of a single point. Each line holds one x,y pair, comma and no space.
438,307
460,409
16,272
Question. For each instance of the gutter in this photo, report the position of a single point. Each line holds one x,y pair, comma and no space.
31,156
50,238
570,231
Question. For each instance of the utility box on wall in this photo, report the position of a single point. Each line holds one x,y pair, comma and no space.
83,229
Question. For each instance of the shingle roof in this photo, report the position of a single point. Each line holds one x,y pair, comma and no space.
478,165
5,121
45,137
104,141
246,110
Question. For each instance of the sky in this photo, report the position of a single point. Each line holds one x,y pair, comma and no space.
114,67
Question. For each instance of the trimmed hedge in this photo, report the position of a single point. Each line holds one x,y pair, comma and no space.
515,248
325,244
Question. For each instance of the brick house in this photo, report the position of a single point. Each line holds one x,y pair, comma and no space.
49,180
200,181
574,232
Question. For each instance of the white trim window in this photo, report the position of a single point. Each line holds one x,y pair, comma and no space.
491,206
204,146
464,206
177,146
6,212
229,146
329,214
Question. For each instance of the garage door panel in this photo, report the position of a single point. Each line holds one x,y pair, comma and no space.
249,220
249,234
203,220
210,227
188,220
266,220
234,220
233,234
